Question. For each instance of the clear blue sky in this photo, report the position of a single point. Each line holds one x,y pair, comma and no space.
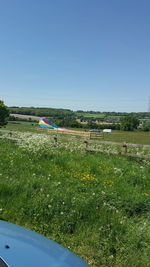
77,54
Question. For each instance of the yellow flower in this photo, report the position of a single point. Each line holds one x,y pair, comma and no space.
88,177
108,182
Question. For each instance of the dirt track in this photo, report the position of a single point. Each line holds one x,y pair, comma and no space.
26,117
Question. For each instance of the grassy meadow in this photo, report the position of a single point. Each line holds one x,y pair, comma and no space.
129,137
96,205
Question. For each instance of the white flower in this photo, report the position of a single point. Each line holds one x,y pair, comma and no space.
111,256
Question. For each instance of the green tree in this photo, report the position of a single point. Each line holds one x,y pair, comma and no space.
129,123
4,113
146,126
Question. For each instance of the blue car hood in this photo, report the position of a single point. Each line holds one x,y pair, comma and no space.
20,247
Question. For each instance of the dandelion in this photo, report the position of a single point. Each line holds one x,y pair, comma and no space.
88,177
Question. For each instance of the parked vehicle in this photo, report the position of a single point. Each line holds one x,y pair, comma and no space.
23,248
94,131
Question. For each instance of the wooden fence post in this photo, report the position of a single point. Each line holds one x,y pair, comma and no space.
86,145
124,148
55,140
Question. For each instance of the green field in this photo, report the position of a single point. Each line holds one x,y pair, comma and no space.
129,137
116,136
90,115
21,126
96,205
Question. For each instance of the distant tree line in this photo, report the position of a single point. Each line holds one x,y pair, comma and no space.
54,112
68,118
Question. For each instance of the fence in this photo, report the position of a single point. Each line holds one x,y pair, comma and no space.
82,134
123,148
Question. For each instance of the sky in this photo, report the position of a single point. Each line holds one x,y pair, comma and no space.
75,54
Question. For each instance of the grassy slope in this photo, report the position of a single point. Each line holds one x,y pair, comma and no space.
97,205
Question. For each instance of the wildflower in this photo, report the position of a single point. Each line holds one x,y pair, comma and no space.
111,256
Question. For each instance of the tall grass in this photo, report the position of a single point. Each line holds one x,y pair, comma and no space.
96,205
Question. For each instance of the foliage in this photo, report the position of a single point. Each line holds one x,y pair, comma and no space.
129,123
42,112
4,113
146,126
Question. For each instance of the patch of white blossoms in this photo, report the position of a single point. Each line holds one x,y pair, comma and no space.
44,143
